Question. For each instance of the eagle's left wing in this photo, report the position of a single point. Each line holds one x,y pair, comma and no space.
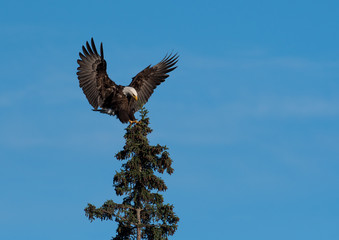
148,79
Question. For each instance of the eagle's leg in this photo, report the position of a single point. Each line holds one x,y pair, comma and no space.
134,121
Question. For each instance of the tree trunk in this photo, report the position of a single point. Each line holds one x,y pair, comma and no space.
139,222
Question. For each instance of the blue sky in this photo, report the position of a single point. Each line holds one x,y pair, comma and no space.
250,116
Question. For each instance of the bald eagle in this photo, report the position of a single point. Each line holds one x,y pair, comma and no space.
106,96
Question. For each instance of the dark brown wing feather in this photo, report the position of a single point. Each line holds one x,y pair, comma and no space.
92,75
148,79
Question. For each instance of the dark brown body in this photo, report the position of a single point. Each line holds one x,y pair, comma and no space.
119,104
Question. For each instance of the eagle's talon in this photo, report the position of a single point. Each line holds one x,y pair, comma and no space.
134,121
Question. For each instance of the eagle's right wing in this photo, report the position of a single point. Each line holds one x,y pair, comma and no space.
92,75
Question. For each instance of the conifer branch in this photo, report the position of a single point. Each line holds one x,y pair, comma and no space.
142,214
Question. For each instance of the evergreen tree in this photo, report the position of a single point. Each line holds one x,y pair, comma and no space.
142,213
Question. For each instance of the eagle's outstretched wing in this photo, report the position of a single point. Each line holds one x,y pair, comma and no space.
148,79
92,75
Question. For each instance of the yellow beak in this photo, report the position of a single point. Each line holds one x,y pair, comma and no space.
136,98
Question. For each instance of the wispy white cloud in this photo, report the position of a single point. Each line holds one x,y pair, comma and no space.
10,98
284,107
227,123
17,137
258,59
60,88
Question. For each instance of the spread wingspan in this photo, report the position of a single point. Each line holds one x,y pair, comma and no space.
107,97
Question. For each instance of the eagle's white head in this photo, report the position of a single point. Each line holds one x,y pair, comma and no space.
130,91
